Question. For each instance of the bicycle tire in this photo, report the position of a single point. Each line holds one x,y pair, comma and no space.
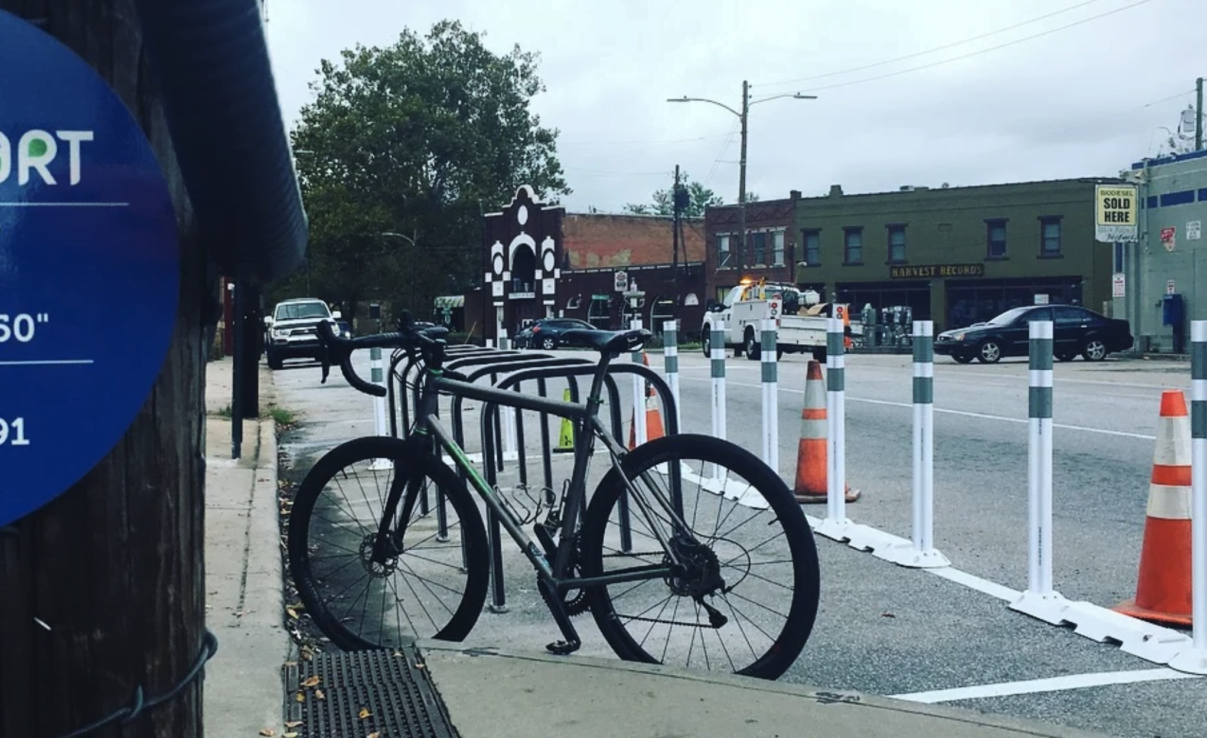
791,639
404,457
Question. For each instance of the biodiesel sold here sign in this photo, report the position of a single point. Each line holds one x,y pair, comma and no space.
89,270
1116,213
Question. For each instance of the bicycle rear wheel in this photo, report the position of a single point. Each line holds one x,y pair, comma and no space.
743,527
434,584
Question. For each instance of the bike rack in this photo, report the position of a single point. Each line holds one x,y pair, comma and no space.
490,421
397,357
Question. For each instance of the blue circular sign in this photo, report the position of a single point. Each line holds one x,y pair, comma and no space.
89,270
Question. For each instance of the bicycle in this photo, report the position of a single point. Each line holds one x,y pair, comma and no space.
572,546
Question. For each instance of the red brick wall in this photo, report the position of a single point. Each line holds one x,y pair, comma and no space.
600,241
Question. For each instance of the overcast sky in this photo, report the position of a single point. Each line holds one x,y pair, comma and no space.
1083,100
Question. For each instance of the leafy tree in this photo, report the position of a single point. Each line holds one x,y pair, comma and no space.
420,139
699,198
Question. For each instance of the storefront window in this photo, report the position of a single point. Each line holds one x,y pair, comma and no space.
970,301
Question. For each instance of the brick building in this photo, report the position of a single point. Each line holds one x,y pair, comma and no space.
539,261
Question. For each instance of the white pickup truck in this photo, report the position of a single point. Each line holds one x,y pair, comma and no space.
801,320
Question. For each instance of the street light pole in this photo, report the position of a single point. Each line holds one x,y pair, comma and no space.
743,116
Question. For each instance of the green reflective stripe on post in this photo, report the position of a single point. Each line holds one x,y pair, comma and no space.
836,380
924,390
375,375
1198,361
672,364
1040,353
924,349
1198,419
834,343
770,373
1039,402
716,343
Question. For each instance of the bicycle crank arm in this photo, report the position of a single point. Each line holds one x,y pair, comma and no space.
558,609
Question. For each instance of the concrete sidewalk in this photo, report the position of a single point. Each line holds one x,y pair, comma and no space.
492,693
242,568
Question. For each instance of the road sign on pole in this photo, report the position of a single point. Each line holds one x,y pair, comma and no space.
89,269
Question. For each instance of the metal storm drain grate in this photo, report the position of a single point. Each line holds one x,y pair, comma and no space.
380,693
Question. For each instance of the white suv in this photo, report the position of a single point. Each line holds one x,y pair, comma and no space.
292,330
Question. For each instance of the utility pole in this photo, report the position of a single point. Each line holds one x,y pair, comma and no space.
103,605
743,116
1198,114
676,208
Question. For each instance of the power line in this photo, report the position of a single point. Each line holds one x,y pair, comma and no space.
937,48
981,51
1115,114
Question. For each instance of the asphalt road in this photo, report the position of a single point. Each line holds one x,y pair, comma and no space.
888,630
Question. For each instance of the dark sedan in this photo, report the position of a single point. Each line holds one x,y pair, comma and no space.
547,333
1075,330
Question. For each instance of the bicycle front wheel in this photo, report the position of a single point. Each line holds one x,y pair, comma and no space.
432,583
745,596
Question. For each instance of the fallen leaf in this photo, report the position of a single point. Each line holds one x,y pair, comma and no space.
318,694
289,735
311,682
374,734
293,723
364,713
301,697
268,732
292,613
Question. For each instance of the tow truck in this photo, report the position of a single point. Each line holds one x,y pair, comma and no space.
801,319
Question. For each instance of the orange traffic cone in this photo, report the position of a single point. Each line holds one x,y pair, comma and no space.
1163,589
653,416
811,475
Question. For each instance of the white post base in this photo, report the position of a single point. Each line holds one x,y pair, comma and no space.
907,555
1046,607
1190,661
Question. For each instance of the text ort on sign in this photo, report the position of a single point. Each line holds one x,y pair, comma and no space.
1116,208
89,270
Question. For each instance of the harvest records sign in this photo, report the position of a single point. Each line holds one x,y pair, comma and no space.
925,271
1115,208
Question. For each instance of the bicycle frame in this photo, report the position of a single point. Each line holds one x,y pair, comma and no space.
585,416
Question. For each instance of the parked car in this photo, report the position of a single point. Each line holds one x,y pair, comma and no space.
547,333
1075,330
292,330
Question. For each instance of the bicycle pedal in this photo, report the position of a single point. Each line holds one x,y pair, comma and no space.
562,648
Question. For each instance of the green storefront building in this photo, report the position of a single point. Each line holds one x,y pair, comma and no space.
954,255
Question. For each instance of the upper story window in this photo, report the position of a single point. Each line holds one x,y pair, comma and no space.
995,236
724,254
810,247
896,244
1049,236
852,247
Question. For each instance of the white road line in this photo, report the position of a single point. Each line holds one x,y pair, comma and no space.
964,413
1054,684
984,586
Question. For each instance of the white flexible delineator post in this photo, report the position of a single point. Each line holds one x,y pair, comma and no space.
1194,659
920,552
641,432
836,525
380,424
1040,600
770,384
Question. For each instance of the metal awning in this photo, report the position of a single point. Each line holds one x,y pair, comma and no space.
450,301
